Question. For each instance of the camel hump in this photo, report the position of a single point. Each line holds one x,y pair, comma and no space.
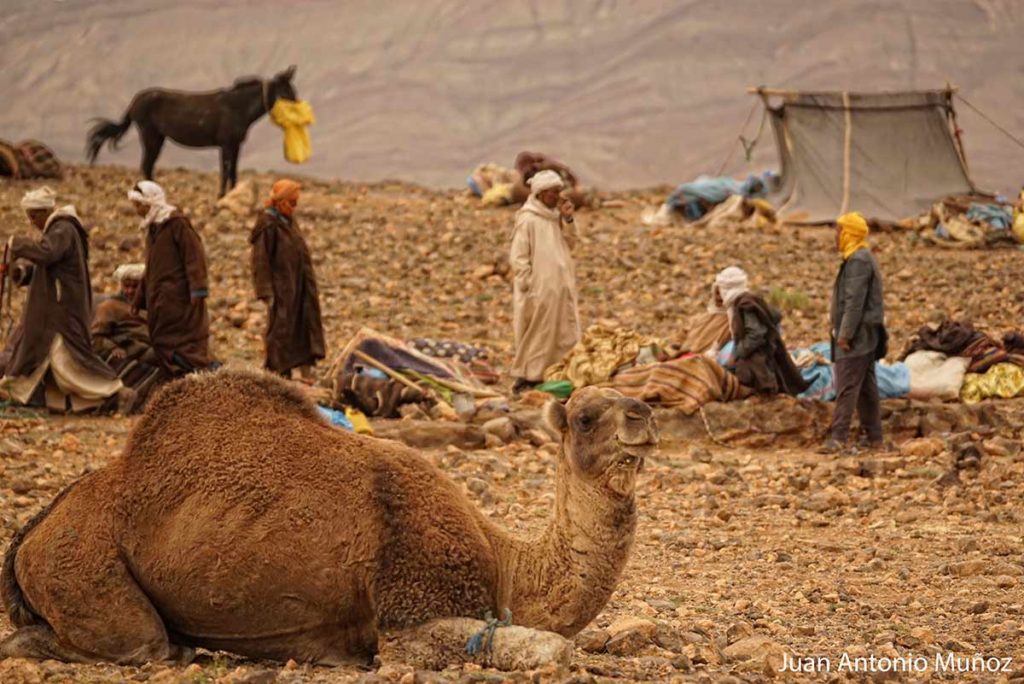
227,391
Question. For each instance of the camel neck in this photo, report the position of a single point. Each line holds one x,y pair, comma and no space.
562,580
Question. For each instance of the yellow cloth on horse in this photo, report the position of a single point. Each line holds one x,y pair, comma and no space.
1001,381
294,116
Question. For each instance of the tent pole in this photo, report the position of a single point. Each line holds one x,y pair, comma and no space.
847,140
951,117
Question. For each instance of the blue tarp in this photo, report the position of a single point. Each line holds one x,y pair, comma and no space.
893,379
996,215
336,418
686,198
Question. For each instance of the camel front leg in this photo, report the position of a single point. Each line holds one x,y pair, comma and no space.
436,644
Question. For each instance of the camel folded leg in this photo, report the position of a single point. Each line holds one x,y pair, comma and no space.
88,605
436,644
38,642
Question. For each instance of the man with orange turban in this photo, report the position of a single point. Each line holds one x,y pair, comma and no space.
284,279
859,338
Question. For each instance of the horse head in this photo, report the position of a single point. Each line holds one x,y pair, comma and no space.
280,86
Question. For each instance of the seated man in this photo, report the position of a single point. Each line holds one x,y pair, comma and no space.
762,362
52,362
117,333
706,333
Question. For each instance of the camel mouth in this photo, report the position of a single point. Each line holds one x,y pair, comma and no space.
633,455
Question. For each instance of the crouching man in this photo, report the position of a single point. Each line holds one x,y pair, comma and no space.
52,361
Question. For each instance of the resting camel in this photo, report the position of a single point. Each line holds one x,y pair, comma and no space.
236,519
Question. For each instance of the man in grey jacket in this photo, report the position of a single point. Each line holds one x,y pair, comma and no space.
859,338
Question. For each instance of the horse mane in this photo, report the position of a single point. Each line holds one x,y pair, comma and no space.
246,81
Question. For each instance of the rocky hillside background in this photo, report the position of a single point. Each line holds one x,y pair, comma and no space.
632,93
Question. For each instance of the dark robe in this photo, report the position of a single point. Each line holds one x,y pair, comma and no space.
59,299
283,275
179,329
762,361
114,326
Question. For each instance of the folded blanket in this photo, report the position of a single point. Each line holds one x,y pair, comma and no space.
686,383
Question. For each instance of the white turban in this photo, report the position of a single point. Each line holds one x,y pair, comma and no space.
129,272
40,198
545,180
152,194
731,283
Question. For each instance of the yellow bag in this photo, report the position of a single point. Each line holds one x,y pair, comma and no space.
294,116
1018,220
360,423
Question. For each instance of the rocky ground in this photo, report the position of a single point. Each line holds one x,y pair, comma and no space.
742,554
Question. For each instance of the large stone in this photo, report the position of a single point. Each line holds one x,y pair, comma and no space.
503,428
240,200
970,568
627,644
648,628
756,648
629,636
925,447
438,643
738,631
593,640
432,434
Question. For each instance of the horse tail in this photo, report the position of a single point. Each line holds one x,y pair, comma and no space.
14,601
105,131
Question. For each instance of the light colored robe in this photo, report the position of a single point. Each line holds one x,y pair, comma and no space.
544,302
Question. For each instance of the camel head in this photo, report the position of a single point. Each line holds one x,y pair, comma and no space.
605,437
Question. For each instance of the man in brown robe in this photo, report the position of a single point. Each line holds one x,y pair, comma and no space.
174,289
282,272
545,316
52,361
120,335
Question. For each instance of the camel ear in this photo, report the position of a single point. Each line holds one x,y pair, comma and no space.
556,417
289,73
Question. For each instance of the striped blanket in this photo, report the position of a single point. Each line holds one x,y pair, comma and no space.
686,383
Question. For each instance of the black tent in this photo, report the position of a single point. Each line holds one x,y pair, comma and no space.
887,155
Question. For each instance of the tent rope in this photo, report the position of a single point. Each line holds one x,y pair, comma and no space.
732,148
984,116
748,145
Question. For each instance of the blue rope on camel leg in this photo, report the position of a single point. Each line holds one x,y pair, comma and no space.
483,641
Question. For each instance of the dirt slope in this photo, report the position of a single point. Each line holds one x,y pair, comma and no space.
633,93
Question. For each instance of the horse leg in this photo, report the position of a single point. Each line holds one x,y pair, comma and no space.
152,143
233,166
225,170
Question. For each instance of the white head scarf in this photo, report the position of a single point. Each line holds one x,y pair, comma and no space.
731,284
40,198
152,194
545,180
129,272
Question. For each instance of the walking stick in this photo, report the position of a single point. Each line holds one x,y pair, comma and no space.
5,292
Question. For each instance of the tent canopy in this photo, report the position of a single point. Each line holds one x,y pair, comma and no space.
887,155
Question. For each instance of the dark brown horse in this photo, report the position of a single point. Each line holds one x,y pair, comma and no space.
218,118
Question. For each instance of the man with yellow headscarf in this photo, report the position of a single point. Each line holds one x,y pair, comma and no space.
859,338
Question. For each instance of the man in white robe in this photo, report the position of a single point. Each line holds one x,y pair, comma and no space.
544,303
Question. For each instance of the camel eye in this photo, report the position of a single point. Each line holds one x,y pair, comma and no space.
585,421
